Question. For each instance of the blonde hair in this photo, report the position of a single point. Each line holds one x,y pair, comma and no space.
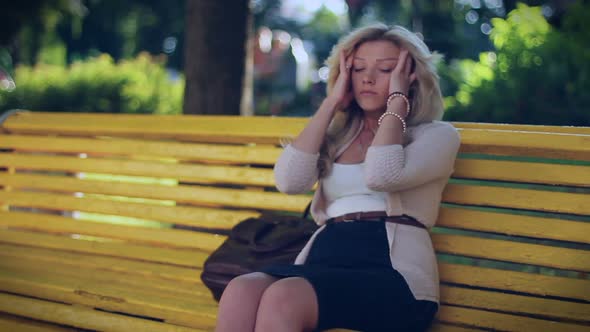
427,102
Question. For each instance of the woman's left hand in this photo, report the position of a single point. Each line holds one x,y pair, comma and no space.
401,76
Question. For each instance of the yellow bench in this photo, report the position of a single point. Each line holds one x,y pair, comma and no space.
88,204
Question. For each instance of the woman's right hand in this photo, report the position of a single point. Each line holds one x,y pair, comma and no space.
341,94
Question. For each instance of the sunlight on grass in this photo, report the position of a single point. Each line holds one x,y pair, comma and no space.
130,199
92,238
128,179
118,220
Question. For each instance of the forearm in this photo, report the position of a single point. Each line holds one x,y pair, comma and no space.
391,129
311,137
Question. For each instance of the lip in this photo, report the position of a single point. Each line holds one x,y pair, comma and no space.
368,92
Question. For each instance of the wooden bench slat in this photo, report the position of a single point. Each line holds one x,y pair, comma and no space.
502,322
181,215
189,216
516,198
544,228
260,129
510,251
454,295
158,237
526,144
129,267
112,249
436,327
465,168
239,198
526,172
522,282
123,266
259,154
517,304
19,324
185,173
537,227
512,224
184,311
527,199
231,129
520,127
82,317
171,288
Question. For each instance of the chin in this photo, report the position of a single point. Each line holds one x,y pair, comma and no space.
373,108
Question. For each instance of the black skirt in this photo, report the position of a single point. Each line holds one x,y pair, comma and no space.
357,288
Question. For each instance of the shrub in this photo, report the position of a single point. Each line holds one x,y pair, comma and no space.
537,74
140,85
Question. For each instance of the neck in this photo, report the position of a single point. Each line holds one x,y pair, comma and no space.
371,121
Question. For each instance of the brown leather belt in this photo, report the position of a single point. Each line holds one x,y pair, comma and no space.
377,216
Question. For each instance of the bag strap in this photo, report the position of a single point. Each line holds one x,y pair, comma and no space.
307,210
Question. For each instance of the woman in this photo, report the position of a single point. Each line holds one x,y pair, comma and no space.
382,159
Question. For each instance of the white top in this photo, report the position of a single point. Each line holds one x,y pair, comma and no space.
347,192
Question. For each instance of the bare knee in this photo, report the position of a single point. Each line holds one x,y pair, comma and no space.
288,304
238,305
248,285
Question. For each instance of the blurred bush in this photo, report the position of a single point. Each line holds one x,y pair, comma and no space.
140,85
537,75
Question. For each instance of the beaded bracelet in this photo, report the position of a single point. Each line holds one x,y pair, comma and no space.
394,114
403,96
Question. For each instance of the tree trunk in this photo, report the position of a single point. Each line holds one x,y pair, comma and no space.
215,53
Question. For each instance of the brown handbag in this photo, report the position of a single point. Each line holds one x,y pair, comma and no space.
255,243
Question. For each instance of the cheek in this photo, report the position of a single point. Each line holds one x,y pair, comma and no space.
356,82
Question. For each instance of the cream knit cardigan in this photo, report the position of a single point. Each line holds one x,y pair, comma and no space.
413,176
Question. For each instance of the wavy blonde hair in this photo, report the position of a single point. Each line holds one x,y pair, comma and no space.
427,102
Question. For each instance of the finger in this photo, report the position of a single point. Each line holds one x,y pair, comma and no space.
342,62
408,66
349,61
403,55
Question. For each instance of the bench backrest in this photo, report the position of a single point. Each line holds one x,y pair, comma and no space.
512,237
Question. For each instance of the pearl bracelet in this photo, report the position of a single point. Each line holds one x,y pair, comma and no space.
394,114
403,96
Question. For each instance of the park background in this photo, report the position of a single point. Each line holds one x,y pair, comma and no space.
504,61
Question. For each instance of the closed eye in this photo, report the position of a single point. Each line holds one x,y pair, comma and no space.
358,69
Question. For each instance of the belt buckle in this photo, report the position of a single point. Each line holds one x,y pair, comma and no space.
358,217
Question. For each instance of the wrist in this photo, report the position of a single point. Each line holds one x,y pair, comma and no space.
397,106
391,120
399,96
329,105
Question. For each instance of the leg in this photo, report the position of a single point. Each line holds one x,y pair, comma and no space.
289,304
239,303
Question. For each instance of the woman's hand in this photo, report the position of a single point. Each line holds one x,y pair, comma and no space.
402,76
341,94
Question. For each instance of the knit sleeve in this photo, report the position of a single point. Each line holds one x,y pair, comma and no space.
430,156
296,171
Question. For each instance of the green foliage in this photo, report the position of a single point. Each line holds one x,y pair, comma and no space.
537,75
140,85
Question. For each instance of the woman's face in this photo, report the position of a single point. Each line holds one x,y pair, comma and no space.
372,65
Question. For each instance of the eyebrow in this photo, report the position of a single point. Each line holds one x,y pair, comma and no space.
378,60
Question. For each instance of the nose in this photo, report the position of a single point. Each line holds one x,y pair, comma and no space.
368,79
